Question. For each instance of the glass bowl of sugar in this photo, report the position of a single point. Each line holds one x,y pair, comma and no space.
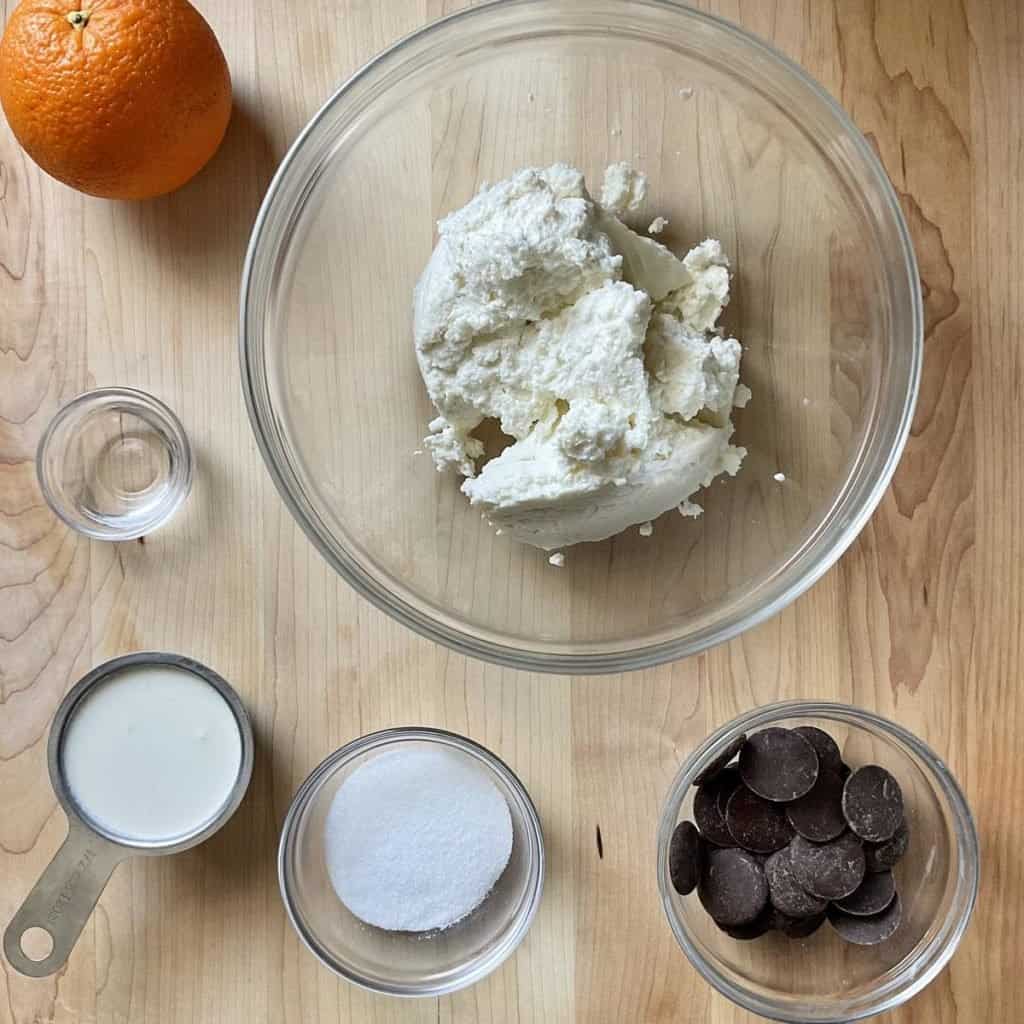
362,873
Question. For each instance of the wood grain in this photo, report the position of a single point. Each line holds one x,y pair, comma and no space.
921,620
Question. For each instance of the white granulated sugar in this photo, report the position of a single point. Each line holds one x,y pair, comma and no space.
416,839
657,225
557,559
779,478
646,529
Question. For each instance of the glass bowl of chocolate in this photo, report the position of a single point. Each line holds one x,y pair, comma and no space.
817,862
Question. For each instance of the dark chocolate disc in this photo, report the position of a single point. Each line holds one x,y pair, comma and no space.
830,870
710,770
872,896
797,927
685,858
763,923
818,815
867,931
726,781
732,889
786,893
882,856
873,803
778,764
709,805
757,824
824,746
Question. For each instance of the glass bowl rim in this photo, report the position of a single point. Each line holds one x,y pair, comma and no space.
486,643
474,970
135,398
965,838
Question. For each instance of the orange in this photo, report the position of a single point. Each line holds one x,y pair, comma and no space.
124,99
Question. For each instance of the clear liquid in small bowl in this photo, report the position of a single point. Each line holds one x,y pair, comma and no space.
115,464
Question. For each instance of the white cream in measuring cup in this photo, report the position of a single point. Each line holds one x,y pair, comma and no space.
149,754
167,737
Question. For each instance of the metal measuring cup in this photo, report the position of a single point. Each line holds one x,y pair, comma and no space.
67,891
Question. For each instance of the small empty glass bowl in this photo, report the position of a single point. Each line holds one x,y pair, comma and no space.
407,963
114,464
822,978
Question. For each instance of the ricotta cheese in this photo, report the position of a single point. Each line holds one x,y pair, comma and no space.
594,348
623,190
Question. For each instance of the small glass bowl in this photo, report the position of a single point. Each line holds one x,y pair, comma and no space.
822,978
407,963
114,464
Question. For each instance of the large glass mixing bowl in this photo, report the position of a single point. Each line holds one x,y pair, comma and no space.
739,144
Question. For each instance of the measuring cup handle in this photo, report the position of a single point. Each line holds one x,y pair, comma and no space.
62,899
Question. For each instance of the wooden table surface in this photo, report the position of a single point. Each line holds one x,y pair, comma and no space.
920,621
